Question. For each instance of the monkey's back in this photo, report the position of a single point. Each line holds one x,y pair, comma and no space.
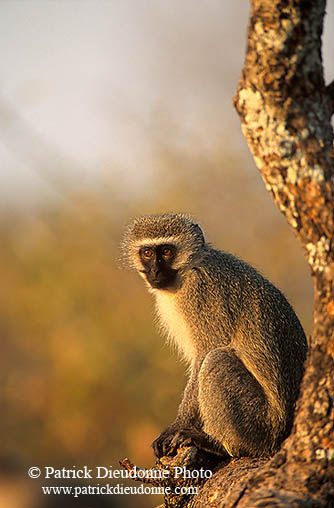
232,304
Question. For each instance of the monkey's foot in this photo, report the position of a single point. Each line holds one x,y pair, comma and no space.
192,437
168,443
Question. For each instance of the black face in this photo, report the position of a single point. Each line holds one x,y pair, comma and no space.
157,261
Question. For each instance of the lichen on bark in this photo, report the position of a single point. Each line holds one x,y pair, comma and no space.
285,113
285,110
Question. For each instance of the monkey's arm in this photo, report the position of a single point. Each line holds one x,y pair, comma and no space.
187,417
186,430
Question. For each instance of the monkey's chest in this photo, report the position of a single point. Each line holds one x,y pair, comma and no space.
174,324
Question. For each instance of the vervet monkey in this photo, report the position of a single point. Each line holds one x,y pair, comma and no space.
243,342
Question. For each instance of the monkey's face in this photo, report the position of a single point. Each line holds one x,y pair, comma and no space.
162,248
157,265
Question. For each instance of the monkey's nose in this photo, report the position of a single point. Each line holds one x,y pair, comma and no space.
156,272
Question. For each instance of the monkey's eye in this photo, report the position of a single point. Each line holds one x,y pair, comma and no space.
166,252
147,253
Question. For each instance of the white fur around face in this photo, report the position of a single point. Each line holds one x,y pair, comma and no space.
173,323
162,240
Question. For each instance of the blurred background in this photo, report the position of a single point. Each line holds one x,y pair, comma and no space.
109,109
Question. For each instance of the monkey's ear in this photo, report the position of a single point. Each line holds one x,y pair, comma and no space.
128,258
122,261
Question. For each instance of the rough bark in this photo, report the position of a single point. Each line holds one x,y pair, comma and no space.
285,110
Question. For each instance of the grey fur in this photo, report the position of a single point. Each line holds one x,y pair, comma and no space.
243,342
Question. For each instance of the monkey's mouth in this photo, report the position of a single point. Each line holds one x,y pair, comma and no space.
162,280
159,283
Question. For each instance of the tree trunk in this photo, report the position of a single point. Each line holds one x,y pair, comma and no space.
285,110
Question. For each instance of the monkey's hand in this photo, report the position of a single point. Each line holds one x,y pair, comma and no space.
172,439
161,445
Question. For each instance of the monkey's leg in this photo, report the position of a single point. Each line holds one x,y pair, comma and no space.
233,406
